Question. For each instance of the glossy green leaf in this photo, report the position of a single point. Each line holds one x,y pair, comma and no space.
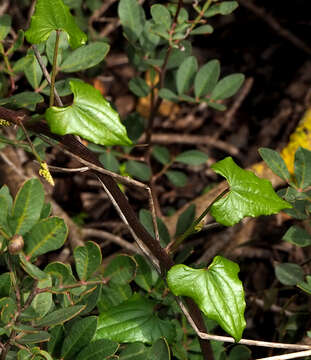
305,286
110,162
192,157
79,335
39,337
297,236
63,45
5,26
85,57
185,74
60,272
206,78
43,302
248,195
217,291
162,154
98,350
177,178
31,269
139,87
289,274
52,15
134,320
138,170
273,159
27,206
132,18
227,86
146,219
25,99
146,276
47,235
59,316
136,351
159,351
161,15
121,269
223,8
185,220
203,29
303,167
90,116
87,259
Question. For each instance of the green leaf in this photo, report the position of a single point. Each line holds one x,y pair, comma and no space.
177,56
39,337
43,302
248,196
203,29
227,86
192,157
110,162
146,219
185,220
52,15
60,272
159,351
185,74
5,284
27,207
206,78
289,274
85,57
297,236
121,270
90,116
31,269
136,351
303,167
161,15
56,340
162,154
59,316
168,94
4,210
132,18
33,70
26,99
273,159
5,26
8,309
217,291
87,258
146,276
138,170
134,320
177,178
47,235
223,8
306,286
98,350
240,352
113,294
139,87
79,335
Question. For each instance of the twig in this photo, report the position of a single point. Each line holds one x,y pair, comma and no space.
295,355
111,238
54,68
270,20
165,138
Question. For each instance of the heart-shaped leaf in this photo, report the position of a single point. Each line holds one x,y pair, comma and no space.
248,196
52,15
90,116
217,291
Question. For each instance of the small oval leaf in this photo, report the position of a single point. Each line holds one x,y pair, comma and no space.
227,86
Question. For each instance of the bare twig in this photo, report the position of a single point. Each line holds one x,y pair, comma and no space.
294,355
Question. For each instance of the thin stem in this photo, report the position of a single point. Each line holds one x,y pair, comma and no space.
8,67
54,68
191,229
37,156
